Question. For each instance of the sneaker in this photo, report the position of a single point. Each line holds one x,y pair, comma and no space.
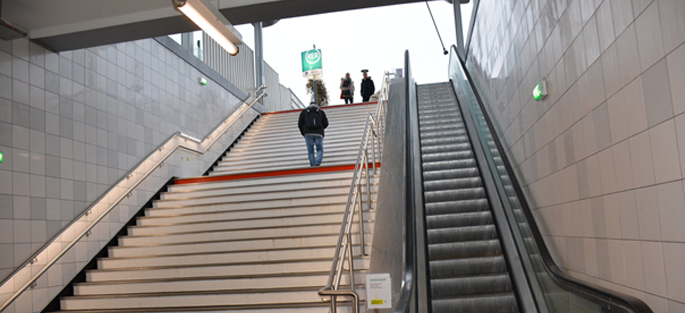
317,164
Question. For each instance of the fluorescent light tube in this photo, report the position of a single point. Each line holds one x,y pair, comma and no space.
212,23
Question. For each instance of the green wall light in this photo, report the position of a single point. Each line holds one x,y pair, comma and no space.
1,157
202,81
540,91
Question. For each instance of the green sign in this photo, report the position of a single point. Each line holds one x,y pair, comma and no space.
540,91
1,157
311,62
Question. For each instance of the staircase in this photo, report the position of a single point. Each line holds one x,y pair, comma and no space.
468,272
274,142
257,235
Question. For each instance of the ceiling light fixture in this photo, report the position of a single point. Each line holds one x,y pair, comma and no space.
210,21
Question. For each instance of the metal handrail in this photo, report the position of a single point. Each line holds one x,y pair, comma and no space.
408,292
86,232
374,128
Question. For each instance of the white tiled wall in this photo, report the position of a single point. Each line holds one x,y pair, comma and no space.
71,124
602,158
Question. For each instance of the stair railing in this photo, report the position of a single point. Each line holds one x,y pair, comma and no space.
26,275
365,167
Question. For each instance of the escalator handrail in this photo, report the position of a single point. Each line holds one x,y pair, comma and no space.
586,290
408,288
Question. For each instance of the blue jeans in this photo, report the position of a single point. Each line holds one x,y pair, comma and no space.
313,140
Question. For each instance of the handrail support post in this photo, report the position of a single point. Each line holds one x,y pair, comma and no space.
361,221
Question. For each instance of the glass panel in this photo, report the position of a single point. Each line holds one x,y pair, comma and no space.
198,45
549,296
176,38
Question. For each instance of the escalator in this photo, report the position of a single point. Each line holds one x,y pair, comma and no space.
467,269
470,242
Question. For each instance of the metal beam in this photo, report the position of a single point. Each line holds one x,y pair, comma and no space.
459,28
161,26
258,55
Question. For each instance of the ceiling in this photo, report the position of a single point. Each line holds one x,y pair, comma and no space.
73,24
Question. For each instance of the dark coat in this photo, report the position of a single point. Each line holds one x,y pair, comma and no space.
347,89
322,117
368,88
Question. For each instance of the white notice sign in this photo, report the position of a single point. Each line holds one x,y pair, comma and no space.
378,293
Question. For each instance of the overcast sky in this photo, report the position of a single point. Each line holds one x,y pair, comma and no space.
373,39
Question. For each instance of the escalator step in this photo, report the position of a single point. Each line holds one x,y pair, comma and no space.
446,156
468,286
448,165
451,174
453,195
444,140
471,249
462,234
457,206
440,127
459,220
455,132
451,109
457,183
446,148
505,303
439,114
467,267
441,121
437,106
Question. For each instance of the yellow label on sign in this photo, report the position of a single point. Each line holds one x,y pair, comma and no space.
379,301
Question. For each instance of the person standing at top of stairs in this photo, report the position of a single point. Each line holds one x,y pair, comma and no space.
312,123
368,88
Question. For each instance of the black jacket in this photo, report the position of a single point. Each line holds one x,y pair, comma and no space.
368,89
322,116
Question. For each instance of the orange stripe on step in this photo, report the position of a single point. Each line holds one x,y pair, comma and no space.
324,108
308,170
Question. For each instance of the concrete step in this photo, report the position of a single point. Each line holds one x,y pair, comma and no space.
344,306
218,257
216,225
289,179
252,196
280,129
338,114
300,144
296,138
349,156
209,270
261,188
332,120
297,279
242,206
236,234
250,244
194,299
284,156
218,171
258,139
291,150
314,210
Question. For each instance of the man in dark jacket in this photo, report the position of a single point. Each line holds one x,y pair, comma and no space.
312,123
368,89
